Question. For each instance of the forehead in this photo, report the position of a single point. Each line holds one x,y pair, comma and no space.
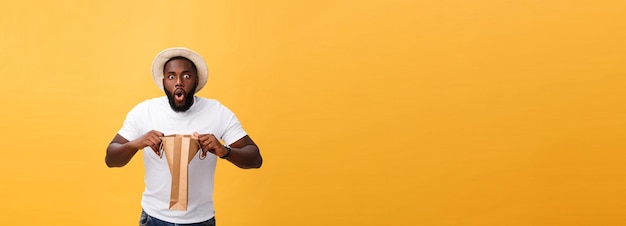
178,62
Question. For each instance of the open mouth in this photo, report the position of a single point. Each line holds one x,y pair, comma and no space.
179,95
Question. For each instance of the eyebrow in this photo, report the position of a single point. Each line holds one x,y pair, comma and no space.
185,71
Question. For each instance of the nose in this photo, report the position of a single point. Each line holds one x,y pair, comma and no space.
179,80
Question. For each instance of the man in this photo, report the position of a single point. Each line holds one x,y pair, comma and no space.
181,73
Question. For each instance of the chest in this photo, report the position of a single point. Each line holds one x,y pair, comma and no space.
188,124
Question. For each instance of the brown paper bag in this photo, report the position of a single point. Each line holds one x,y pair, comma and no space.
179,151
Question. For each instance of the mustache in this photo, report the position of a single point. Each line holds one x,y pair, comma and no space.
180,90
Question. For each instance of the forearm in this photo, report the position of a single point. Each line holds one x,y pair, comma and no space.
119,155
246,157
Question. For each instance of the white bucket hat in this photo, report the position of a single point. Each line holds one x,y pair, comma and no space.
159,62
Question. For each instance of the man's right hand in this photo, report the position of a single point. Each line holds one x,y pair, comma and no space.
151,139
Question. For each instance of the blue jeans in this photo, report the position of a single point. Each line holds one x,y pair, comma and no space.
147,220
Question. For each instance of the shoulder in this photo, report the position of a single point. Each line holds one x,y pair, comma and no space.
150,104
211,105
157,101
207,103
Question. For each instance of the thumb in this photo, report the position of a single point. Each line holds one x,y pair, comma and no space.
195,134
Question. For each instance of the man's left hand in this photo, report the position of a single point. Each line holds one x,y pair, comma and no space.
210,143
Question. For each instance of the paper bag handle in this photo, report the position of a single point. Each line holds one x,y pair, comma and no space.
160,154
200,152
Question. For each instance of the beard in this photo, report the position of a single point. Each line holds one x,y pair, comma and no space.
188,100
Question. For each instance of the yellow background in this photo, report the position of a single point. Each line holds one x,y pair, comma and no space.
392,112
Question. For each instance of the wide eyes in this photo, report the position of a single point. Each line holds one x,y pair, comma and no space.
185,76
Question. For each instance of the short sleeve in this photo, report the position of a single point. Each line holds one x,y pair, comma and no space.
130,130
233,129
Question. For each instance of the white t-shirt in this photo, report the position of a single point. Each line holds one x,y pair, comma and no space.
205,116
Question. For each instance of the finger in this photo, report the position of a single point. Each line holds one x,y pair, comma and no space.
157,133
205,136
201,139
202,144
206,147
147,143
155,140
214,144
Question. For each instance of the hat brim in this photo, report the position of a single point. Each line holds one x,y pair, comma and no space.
159,62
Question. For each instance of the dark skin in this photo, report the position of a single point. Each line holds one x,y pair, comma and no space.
179,77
